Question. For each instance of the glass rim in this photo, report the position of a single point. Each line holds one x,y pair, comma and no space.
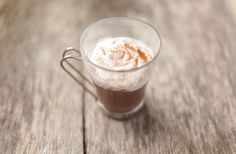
122,70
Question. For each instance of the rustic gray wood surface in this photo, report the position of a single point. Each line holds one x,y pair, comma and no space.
191,98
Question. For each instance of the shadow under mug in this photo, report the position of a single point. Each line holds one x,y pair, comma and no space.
120,93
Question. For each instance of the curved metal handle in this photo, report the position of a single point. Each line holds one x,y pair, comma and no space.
65,59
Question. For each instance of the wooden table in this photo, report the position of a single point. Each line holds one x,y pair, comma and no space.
191,98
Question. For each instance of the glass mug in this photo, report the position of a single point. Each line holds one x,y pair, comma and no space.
120,93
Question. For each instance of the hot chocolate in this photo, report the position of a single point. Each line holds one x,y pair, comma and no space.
120,101
120,91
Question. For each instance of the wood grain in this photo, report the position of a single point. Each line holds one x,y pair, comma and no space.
40,107
191,98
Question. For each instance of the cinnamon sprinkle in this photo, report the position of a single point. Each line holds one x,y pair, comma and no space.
142,55
136,62
118,52
127,46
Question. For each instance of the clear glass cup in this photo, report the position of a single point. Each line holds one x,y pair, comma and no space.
120,93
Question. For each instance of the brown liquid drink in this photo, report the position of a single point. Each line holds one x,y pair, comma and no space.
120,101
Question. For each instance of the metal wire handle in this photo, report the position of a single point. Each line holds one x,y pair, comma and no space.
65,59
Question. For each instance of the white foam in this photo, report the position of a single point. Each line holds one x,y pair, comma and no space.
120,53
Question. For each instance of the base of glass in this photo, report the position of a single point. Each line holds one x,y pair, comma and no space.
120,115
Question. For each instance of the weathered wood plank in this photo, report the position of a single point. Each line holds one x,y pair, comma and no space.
191,99
190,105
40,106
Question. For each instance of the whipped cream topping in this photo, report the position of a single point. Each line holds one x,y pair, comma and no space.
121,53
